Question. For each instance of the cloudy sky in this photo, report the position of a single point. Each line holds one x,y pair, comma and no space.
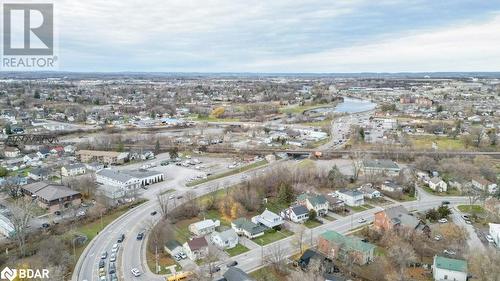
279,35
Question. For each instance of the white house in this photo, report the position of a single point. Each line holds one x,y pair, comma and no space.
495,233
73,170
268,219
351,197
316,202
196,248
449,269
391,186
437,184
369,192
203,227
485,185
225,240
297,214
11,152
244,227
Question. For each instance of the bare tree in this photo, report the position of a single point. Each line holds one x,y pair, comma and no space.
485,265
276,257
163,202
24,211
211,259
298,237
402,254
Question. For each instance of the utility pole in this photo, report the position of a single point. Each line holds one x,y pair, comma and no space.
156,258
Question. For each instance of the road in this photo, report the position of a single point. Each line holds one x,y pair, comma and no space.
132,253
138,218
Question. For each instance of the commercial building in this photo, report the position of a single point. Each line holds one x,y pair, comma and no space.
104,157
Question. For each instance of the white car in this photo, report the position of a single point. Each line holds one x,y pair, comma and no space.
443,220
361,220
115,247
450,252
135,272
112,258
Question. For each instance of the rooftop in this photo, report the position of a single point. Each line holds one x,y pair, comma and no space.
352,243
450,264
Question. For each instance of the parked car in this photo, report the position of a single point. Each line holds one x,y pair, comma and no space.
112,258
112,268
361,220
489,238
215,269
449,252
438,237
115,247
443,220
233,263
104,255
102,264
183,255
465,217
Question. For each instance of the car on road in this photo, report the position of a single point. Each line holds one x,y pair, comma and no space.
443,220
121,238
102,271
140,235
113,277
112,258
103,278
153,213
449,252
102,263
180,197
361,220
135,272
465,217
215,269
104,255
115,247
233,263
112,268
489,238
445,203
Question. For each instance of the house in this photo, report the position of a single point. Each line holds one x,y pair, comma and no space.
484,185
316,202
244,227
495,233
297,214
335,203
43,152
94,166
50,196
70,149
57,150
235,274
398,216
104,157
369,192
73,170
204,227
31,158
335,245
11,152
268,219
449,269
351,198
173,247
39,174
196,248
391,186
437,184
380,166
226,239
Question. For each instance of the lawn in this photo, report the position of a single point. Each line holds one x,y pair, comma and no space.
228,173
214,119
473,209
312,223
361,208
443,143
164,261
450,192
239,249
328,218
323,123
267,274
271,236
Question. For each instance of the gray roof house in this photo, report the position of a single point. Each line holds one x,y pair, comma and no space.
242,226
226,239
268,219
235,274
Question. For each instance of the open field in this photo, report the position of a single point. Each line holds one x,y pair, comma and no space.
272,236
228,173
239,249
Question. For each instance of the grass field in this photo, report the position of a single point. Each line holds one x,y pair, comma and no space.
361,208
312,223
450,192
443,143
213,119
228,173
271,236
476,209
267,274
325,122
164,261
239,249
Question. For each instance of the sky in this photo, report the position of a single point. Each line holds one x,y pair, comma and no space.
299,36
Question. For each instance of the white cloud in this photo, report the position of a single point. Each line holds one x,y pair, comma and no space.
471,47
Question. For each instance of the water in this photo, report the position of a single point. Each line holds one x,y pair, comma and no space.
351,105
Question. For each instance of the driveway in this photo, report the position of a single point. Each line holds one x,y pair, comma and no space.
473,242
